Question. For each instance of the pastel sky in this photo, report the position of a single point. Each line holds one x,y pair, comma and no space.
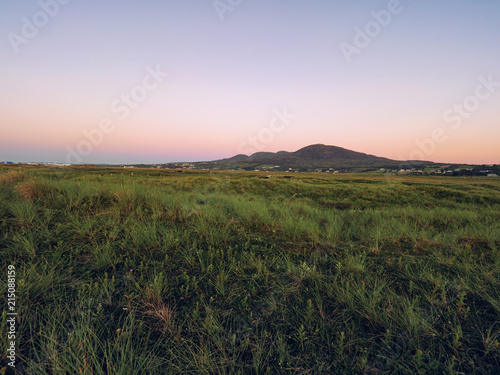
108,81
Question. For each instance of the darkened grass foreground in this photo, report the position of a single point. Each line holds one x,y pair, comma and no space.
231,273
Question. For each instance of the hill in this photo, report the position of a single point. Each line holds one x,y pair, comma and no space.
316,156
320,157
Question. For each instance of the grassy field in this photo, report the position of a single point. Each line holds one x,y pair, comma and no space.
125,271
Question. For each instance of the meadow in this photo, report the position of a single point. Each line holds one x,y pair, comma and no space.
148,271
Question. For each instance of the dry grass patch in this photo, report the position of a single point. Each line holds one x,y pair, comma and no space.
12,177
31,190
162,314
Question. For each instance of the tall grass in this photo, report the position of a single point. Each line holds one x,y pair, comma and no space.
230,273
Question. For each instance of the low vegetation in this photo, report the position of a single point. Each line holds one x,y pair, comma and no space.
124,271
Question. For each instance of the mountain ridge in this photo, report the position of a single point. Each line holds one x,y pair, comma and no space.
318,156
325,158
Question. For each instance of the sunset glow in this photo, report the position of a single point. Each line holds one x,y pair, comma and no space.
183,81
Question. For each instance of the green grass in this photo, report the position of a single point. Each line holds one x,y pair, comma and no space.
230,273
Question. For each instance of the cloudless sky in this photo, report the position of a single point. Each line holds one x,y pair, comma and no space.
231,68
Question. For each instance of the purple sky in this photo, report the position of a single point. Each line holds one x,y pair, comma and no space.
127,82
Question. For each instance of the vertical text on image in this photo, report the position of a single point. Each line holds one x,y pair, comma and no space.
11,315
